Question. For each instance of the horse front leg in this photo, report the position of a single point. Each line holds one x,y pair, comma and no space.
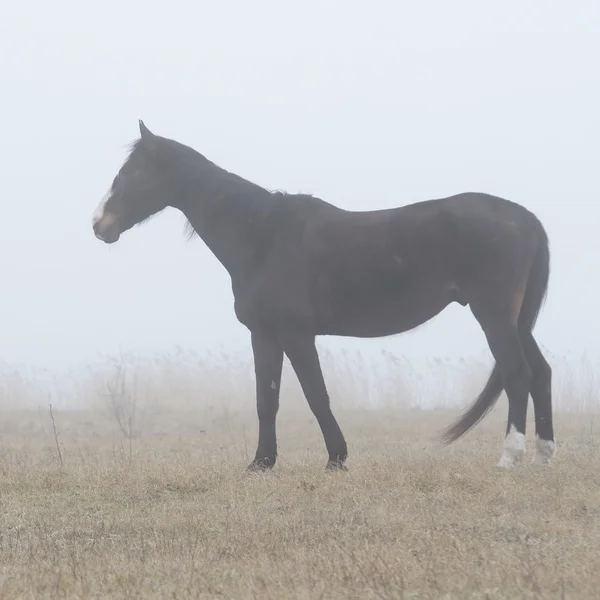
268,362
302,352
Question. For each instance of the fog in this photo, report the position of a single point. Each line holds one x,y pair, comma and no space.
364,105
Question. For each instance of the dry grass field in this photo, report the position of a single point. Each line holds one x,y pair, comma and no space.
156,504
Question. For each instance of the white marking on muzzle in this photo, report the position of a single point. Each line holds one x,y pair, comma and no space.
99,212
514,449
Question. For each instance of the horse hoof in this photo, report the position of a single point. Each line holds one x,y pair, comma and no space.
336,465
545,451
260,465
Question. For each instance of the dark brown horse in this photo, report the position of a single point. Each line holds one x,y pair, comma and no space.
301,267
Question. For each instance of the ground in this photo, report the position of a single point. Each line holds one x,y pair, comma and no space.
174,515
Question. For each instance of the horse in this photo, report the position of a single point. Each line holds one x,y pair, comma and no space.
301,267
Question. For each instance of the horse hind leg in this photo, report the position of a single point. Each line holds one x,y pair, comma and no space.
541,394
541,379
498,320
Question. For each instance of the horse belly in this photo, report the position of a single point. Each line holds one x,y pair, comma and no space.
377,316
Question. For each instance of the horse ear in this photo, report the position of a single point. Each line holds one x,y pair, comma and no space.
145,133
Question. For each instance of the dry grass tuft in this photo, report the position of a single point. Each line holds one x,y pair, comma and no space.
175,516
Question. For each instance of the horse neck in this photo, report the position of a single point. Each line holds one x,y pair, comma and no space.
228,214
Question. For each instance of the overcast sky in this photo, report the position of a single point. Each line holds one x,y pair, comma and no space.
366,105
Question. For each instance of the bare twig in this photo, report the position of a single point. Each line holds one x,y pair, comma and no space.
56,434
123,405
